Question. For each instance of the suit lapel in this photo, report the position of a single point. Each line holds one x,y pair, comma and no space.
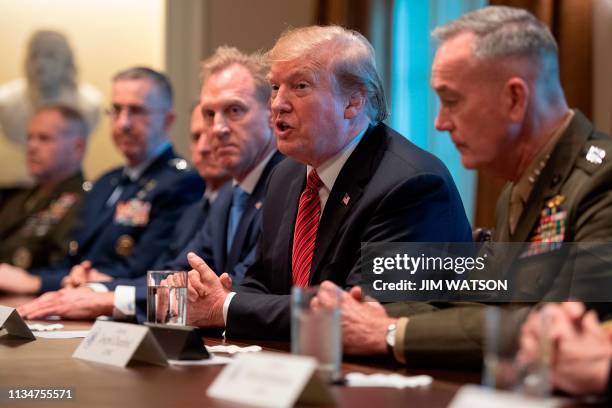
345,193
284,247
555,173
253,206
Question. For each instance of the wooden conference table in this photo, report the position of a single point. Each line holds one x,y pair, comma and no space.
47,364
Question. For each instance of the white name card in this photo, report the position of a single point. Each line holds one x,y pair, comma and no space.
120,343
14,325
270,380
473,396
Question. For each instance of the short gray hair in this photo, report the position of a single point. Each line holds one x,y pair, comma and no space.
351,61
255,63
502,31
69,114
160,80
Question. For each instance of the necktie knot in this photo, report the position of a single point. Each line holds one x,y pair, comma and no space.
313,182
239,197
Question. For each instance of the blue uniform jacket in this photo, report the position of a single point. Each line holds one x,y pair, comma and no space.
125,239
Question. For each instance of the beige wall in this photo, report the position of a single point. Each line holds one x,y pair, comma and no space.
106,35
195,28
602,74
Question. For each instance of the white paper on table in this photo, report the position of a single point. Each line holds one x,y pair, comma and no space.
474,396
64,334
213,360
387,380
232,349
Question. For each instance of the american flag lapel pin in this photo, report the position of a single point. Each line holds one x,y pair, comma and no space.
346,199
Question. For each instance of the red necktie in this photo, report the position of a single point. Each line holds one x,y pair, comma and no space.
305,232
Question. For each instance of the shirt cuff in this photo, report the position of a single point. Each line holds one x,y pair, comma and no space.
124,307
97,287
400,335
226,304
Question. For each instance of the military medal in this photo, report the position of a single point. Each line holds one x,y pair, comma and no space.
22,258
550,233
134,213
124,246
73,247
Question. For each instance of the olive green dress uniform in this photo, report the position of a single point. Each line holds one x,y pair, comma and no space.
571,201
35,224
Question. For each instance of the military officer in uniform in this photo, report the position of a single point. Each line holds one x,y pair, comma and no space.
37,221
128,216
497,76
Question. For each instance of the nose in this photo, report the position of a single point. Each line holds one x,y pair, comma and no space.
123,119
442,122
279,102
203,144
220,127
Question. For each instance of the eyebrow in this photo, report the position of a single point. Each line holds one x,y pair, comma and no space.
299,72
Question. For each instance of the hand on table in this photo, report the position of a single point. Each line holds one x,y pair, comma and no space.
364,323
69,303
84,273
206,294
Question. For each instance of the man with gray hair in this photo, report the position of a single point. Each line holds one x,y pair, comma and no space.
496,73
348,179
37,221
127,217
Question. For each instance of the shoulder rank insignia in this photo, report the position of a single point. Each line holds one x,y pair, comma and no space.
595,155
179,164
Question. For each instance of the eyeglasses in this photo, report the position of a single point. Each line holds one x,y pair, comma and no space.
135,112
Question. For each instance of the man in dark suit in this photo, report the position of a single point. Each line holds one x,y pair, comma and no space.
37,221
234,105
127,217
497,76
350,179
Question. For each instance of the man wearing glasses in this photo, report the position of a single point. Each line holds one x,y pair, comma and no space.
128,216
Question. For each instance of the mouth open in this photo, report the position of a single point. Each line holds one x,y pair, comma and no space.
282,127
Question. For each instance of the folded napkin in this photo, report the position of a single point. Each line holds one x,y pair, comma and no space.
232,349
45,327
387,380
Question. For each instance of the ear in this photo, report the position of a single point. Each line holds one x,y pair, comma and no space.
355,104
516,98
169,120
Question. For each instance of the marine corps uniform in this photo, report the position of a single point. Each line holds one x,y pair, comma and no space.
571,201
126,224
35,224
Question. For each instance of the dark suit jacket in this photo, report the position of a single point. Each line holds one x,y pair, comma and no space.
210,242
126,249
397,192
453,333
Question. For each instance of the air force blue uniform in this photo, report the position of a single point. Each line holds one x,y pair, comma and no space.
126,224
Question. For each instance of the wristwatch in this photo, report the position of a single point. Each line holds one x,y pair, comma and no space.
390,337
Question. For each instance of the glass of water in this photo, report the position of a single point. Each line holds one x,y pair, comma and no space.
502,367
316,331
167,297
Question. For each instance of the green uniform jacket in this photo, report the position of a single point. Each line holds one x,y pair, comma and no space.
580,170
35,227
